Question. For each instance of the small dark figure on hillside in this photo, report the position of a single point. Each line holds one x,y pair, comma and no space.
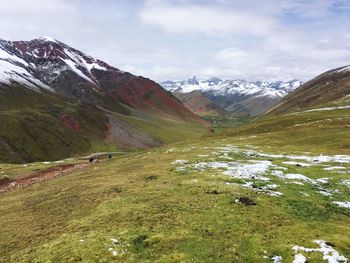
91,159
110,156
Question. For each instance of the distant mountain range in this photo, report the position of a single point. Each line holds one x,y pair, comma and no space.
238,97
56,101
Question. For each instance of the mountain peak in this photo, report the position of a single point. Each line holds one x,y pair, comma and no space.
193,81
214,80
48,39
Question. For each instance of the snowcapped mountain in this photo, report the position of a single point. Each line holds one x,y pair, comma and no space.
21,61
48,65
219,87
239,97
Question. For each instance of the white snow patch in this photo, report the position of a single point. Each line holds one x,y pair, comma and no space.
310,159
277,173
211,165
10,72
296,177
322,180
49,39
118,247
329,253
299,258
274,193
342,204
325,192
72,65
276,259
332,168
267,189
251,170
180,162
329,108
347,68
95,66
346,182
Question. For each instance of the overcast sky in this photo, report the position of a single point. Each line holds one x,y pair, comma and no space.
175,39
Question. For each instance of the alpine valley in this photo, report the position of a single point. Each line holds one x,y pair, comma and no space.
80,180
273,190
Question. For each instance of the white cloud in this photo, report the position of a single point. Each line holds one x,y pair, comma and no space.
207,19
175,39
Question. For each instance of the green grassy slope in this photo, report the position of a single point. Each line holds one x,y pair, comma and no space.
324,88
32,127
316,130
161,210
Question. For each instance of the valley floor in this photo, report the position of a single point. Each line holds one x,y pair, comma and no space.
221,199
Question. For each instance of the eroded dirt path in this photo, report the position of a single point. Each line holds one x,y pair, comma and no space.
8,184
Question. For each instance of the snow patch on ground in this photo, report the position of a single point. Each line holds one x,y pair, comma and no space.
329,253
251,170
329,108
346,183
310,159
118,247
267,189
180,162
342,204
276,259
299,258
291,176
322,180
332,168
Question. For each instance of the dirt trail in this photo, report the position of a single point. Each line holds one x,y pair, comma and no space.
8,184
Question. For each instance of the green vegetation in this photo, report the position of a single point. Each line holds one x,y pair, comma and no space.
178,203
317,132
167,131
222,123
32,127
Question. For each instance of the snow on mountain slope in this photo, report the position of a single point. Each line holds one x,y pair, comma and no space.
15,70
218,87
239,97
27,57
46,64
343,69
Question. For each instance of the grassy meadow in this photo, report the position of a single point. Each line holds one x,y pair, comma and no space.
248,194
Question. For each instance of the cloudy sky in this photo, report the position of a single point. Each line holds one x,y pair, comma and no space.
175,39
